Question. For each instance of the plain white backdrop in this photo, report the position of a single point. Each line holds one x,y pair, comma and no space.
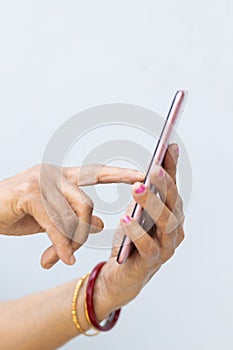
60,57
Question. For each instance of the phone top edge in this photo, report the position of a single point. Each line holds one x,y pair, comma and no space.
183,92
182,95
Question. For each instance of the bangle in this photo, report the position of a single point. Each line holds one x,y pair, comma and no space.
90,314
74,308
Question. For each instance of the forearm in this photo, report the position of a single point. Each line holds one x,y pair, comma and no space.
44,320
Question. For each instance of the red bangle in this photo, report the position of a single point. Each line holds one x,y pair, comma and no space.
113,317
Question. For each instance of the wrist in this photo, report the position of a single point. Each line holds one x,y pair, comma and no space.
103,301
92,303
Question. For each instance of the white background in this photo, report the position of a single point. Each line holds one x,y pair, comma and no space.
59,57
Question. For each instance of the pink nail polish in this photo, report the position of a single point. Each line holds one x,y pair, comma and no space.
126,219
140,189
161,173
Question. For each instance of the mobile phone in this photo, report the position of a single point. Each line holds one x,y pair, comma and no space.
139,214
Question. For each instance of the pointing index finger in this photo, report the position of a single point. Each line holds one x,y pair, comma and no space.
100,174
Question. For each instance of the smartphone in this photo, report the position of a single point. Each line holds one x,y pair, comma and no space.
139,214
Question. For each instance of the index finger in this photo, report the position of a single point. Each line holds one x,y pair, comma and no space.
101,174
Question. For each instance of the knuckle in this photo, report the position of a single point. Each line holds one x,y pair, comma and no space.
35,169
27,187
173,193
35,173
83,239
166,254
169,254
174,220
181,235
88,205
171,224
152,204
62,242
47,167
28,192
179,203
99,169
30,183
47,172
170,185
80,237
55,222
69,215
152,249
178,210
153,175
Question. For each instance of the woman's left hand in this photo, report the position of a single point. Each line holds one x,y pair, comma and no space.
119,284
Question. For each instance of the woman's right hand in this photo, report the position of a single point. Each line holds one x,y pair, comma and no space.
119,284
47,198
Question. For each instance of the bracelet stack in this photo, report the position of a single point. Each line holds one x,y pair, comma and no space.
89,305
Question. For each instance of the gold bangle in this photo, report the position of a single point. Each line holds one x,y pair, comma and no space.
74,311
87,316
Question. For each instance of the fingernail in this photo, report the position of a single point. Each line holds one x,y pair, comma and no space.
48,266
160,173
126,219
72,260
141,189
177,150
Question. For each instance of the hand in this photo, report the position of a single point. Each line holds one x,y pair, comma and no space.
119,284
46,198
